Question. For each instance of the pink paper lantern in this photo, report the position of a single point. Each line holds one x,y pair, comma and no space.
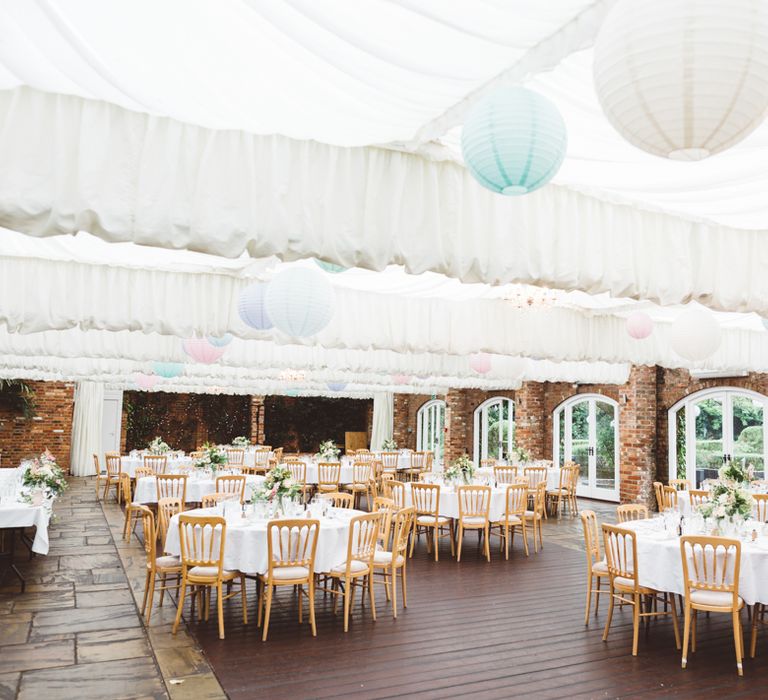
401,378
480,362
639,325
200,350
145,381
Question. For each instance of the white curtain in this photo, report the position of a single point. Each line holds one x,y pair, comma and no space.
86,427
383,412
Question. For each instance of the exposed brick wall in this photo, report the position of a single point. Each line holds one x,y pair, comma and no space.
404,420
459,419
530,420
637,437
50,428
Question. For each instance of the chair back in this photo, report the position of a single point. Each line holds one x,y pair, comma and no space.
166,509
363,532
292,543
426,498
125,487
363,456
235,456
487,462
279,454
328,474
536,475
620,552
517,500
698,496
361,472
680,484
157,463
430,460
261,457
474,501
96,463
172,486
233,484
761,506
394,490
505,475
658,490
387,508
212,499
202,541
402,525
418,461
670,497
540,498
389,461
572,472
338,499
114,465
141,472
591,536
711,564
631,511
298,471
150,538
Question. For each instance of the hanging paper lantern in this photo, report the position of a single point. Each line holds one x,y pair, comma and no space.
514,141
300,301
330,267
145,381
480,362
695,335
251,307
683,79
639,325
220,341
336,386
401,378
168,370
200,350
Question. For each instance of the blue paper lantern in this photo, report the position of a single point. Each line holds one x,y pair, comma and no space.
337,386
251,307
220,341
300,301
330,267
168,370
514,141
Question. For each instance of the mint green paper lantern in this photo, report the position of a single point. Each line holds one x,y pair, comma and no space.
514,141
330,267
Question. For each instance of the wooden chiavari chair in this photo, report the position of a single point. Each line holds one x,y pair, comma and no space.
505,475
141,472
261,460
363,455
361,482
490,462
670,497
389,462
416,465
279,455
394,490
298,471
361,547
430,460
698,497
235,456
233,484
474,507
658,490
536,476
621,558
114,469
389,563
166,508
711,577
338,499
597,568
157,463
328,476
631,511
387,507
558,496
514,517
172,486
760,511
291,547
202,543
536,515
680,484
157,566
211,500
426,501
100,475
573,484
132,512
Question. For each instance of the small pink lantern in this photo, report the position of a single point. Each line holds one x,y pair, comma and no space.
480,362
145,381
401,378
639,325
200,350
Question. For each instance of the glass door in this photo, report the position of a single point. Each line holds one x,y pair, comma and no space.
430,428
494,429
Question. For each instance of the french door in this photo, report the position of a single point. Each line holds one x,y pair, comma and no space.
430,428
586,432
494,423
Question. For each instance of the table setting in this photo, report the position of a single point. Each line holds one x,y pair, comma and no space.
200,482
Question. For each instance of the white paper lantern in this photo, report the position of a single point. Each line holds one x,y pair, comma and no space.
251,307
515,367
639,325
683,79
695,335
480,362
300,301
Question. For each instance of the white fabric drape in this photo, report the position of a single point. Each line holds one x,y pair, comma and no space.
86,427
71,164
383,416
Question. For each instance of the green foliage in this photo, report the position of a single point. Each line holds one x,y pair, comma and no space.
19,395
751,439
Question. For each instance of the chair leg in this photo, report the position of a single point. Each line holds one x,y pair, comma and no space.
487,545
686,633
435,533
695,614
151,596
243,594
506,541
162,588
597,594
737,641
219,609
372,595
180,607
753,640
673,608
146,593
311,587
348,593
589,598
460,542
267,609
610,615
635,623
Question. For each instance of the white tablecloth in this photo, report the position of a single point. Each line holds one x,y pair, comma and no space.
146,488
660,565
449,502
347,471
24,515
130,464
249,458
246,545
553,476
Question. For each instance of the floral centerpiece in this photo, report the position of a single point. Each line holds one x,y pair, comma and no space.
278,486
461,469
730,500
389,445
241,441
158,446
518,455
328,451
212,458
43,474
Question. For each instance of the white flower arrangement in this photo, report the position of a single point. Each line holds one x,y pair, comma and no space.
730,497
328,451
43,473
461,469
212,458
389,445
278,484
158,446
241,441
519,455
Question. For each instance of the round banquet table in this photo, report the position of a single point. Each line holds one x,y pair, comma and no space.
130,464
449,502
660,565
246,545
146,488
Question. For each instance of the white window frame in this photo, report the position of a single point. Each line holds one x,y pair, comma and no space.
481,414
431,438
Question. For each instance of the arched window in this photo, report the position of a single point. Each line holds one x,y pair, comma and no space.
586,431
494,428
714,424
430,428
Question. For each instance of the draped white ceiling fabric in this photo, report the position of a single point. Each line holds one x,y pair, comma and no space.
206,144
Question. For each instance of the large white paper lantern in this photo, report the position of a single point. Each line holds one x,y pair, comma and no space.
683,79
513,141
300,301
695,335
251,307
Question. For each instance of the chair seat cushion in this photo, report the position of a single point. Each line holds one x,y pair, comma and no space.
290,572
556,492
167,561
473,520
430,520
600,568
356,567
210,572
509,520
531,514
385,559
627,584
720,599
